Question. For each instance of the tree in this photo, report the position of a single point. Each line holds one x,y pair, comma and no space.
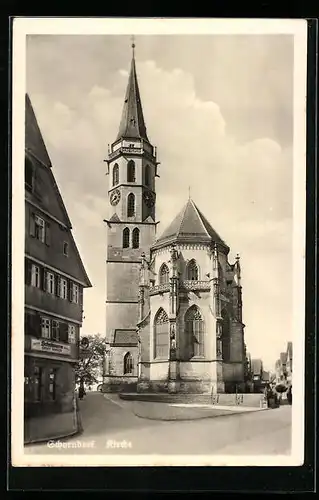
89,367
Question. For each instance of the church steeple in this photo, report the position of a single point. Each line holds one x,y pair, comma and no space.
132,124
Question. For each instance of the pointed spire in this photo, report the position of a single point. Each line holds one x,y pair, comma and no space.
132,124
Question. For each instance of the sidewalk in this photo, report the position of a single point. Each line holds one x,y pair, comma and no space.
178,411
55,426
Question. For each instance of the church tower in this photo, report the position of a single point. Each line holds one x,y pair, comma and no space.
130,225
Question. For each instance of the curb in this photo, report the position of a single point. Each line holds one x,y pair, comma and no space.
202,417
78,430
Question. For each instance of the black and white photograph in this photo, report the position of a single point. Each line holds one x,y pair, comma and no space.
158,221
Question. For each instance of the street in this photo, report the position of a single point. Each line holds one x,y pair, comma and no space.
109,426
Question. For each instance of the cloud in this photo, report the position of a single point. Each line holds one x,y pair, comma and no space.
243,188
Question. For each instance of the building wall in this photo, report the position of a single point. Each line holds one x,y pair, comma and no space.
51,251
65,384
53,304
116,361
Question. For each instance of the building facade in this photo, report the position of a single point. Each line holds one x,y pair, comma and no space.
54,281
174,303
283,367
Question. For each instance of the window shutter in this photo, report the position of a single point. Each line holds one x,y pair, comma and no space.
57,285
32,224
35,325
26,323
43,279
47,234
64,329
70,290
81,295
27,271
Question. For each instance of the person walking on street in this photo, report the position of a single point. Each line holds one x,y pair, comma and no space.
81,392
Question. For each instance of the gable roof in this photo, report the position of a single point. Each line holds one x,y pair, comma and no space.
48,197
190,225
33,138
125,337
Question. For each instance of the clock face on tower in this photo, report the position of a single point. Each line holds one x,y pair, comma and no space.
115,197
149,198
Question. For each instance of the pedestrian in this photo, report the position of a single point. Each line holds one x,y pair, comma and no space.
289,395
81,392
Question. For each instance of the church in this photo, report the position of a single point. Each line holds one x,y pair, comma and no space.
173,302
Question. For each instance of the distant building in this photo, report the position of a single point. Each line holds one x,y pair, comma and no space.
54,282
257,369
283,366
289,363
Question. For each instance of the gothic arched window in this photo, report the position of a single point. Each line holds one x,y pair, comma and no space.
194,330
136,238
163,274
116,174
128,363
131,205
126,237
161,334
147,175
225,335
192,270
131,171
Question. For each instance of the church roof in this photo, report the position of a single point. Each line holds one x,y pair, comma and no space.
125,338
190,225
33,138
132,124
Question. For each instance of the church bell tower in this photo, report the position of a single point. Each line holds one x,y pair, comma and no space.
130,224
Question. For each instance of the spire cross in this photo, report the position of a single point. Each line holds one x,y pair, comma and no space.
189,192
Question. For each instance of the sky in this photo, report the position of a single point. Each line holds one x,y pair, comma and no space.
219,109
